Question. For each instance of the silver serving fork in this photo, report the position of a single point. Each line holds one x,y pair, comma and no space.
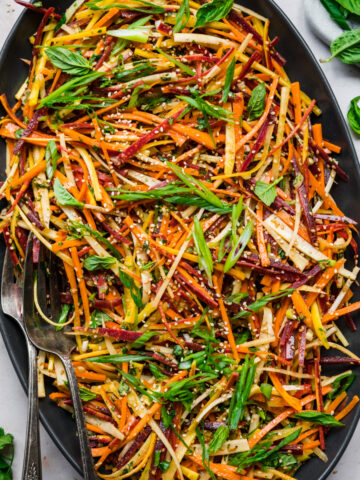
46,338
12,305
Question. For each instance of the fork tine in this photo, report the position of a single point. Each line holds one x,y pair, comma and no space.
7,274
55,283
41,279
29,283
11,289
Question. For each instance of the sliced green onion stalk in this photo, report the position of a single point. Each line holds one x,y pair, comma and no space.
140,35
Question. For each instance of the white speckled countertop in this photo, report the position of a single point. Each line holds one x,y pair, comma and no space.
345,83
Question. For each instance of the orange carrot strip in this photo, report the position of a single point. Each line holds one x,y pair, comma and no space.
301,308
348,408
289,399
296,100
342,311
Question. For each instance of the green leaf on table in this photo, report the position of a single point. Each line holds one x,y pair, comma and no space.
354,115
346,47
335,13
212,11
352,6
256,105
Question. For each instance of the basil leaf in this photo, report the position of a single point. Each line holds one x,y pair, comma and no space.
335,13
346,47
98,318
263,301
203,251
352,6
5,439
212,11
239,247
266,192
228,80
319,418
182,16
354,115
69,62
129,283
86,395
219,438
95,262
266,390
51,158
63,197
145,337
256,105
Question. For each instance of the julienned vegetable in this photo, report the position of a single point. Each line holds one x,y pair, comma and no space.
163,154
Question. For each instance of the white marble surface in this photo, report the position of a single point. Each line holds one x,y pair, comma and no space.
345,82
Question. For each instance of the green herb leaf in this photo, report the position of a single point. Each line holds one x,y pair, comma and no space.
335,13
156,371
237,297
266,390
346,47
6,461
118,358
98,318
6,439
182,16
129,283
256,103
341,384
196,185
140,35
86,395
354,115
148,7
203,251
352,6
263,301
219,438
319,418
63,197
145,337
154,396
204,452
212,11
228,80
267,192
69,62
235,215
239,247
63,316
242,392
18,133
95,262
51,157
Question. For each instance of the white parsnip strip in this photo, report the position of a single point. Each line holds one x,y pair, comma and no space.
284,102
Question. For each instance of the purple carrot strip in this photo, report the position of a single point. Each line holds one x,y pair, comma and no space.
30,6
115,234
109,43
302,344
245,70
319,151
287,340
138,442
305,204
31,126
136,146
123,335
309,275
257,145
337,360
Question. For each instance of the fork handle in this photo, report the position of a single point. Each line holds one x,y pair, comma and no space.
32,456
88,465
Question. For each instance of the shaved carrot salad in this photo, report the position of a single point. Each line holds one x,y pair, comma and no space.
163,154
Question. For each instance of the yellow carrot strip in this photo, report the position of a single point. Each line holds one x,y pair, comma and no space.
75,36
82,285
